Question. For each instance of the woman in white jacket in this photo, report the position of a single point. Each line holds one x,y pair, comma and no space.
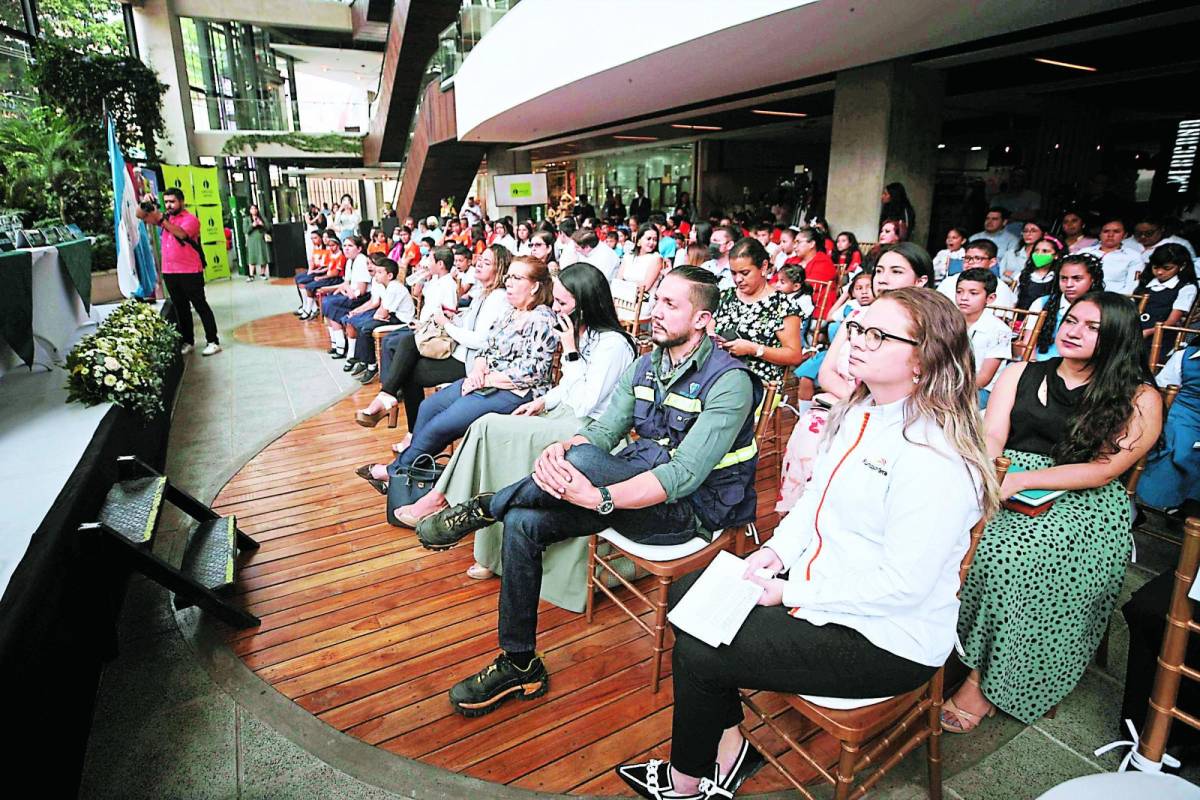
869,603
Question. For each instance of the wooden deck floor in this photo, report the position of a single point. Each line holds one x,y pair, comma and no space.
367,630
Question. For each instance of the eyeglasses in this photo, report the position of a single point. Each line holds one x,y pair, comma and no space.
873,337
517,276
975,259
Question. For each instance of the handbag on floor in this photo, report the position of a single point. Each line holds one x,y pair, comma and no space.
407,485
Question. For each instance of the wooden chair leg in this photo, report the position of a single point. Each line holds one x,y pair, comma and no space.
660,630
933,747
590,603
847,761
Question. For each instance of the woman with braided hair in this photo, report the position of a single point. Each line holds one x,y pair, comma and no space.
1078,274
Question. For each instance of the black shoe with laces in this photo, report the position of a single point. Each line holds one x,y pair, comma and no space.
444,529
349,365
499,681
358,368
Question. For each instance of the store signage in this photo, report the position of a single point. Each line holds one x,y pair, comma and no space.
520,189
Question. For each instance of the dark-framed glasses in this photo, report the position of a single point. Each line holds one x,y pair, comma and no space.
873,337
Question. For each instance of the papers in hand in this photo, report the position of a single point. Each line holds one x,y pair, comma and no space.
718,603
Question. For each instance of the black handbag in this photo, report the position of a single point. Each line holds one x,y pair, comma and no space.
407,485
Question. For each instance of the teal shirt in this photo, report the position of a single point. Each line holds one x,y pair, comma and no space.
729,402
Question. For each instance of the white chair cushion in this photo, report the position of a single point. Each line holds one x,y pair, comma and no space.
656,552
1124,785
843,703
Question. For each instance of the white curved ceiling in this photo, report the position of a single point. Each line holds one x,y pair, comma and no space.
550,67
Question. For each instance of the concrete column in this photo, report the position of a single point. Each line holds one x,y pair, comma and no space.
160,44
886,121
503,161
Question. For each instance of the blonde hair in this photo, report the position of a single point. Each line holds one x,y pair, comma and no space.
945,391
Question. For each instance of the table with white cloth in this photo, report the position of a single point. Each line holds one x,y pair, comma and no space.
58,311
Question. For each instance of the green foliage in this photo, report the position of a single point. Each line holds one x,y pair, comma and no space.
88,26
124,361
308,142
43,161
81,86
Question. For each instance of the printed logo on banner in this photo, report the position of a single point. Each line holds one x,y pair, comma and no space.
218,262
212,227
204,186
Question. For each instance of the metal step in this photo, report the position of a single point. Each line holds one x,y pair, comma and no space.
210,554
131,508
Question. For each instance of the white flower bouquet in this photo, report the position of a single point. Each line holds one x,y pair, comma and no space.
124,361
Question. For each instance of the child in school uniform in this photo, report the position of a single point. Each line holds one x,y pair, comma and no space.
335,268
318,256
1170,280
390,304
991,339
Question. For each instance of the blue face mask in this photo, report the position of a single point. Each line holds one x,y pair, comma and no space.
424,249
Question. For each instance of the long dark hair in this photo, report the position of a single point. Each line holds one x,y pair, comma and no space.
849,252
703,233
898,207
1169,253
593,299
1119,369
1027,271
917,257
1095,268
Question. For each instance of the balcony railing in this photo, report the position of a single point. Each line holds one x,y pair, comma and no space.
316,116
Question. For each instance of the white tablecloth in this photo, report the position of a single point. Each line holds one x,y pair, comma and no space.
57,312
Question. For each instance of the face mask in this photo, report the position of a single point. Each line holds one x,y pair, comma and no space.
714,252
424,249
1042,260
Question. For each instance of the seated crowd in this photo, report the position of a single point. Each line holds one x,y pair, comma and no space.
611,374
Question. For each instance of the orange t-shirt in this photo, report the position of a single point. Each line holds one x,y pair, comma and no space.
337,264
376,247
320,257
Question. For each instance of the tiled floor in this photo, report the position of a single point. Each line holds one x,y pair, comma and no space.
178,716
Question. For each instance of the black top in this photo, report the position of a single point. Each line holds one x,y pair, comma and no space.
1037,428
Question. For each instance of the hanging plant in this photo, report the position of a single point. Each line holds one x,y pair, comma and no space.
308,142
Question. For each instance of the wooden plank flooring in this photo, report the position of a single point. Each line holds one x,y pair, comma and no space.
367,630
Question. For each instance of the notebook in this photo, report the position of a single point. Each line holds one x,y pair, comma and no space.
1035,497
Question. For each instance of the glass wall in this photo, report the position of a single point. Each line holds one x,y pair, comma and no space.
237,82
663,172
17,94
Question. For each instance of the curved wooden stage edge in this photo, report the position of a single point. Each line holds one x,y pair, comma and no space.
366,630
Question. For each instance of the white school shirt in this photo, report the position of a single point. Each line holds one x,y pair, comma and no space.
990,338
359,271
1121,268
439,292
941,262
863,548
1184,243
1183,300
1005,296
397,300
1003,239
587,383
1172,372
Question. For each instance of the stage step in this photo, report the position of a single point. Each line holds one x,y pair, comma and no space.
131,507
211,555
128,521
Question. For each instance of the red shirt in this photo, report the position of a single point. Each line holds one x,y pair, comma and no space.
180,257
821,268
337,265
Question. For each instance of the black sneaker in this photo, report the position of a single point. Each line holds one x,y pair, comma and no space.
443,530
652,780
369,374
331,350
338,353
350,364
499,681
359,368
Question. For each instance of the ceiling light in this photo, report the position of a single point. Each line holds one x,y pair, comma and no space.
1007,149
1066,64
941,147
698,127
637,138
976,148
777,113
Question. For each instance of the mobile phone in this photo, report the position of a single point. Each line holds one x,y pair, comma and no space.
486,391
726,335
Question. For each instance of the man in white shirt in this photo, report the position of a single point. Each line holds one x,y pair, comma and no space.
472,211
564,246
440,291
1122,265
723,239
595,252
991,339
994,230
1150,232
980,254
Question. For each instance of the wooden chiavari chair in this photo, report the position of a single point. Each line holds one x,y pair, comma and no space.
1025,331
1166,340
879,735
667,563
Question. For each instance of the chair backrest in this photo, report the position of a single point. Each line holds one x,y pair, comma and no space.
1135,472
1179,337
1171,669
1002,465
628,297
1026,325
1140,301
765,411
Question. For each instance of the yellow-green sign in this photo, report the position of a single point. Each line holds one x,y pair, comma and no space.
218,261
212,227
520,189
178,178
204,187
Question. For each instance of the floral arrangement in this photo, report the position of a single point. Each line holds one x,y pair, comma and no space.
124,361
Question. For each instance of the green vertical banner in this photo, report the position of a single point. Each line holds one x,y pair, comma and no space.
218,261
178,178
204,187
212,228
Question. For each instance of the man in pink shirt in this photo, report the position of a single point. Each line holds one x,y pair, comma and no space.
183,271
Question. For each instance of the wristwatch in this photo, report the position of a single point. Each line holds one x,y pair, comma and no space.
606,504
759,352
573,356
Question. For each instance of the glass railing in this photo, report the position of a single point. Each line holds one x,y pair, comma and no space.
316,116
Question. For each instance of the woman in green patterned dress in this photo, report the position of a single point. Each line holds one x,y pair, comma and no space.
257,255
1041,588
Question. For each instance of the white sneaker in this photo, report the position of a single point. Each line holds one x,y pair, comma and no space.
187,348
249,279
211,350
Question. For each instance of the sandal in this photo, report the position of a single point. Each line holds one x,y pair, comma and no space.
960,721
479,572
400,447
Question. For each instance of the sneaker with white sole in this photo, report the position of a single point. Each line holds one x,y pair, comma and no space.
211,350
187,348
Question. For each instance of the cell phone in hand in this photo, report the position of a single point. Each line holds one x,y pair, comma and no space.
486,391
726,335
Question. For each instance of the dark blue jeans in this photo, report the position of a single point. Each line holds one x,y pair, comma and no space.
447,415
364,343
534,520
